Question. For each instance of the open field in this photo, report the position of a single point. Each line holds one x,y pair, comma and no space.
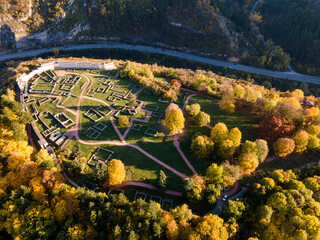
246,125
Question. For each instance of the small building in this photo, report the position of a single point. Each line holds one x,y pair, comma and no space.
308,104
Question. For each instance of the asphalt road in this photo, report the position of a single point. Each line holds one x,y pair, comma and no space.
276,74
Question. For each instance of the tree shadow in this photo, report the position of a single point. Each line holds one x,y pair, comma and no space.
7,37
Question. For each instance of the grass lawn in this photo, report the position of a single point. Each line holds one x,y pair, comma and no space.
185,142
109,134
139,167
246,125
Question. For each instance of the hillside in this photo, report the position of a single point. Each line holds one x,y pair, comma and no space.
221,29
295,26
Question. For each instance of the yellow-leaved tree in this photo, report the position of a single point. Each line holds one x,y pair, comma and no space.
116,172
301,139
248,162
202,146
219,133
283,147
175,120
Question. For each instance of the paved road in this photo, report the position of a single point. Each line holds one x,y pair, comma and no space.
284,75
254,6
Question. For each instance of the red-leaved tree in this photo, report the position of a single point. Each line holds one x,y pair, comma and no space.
273,127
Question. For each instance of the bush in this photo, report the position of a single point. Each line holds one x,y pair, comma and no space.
124,121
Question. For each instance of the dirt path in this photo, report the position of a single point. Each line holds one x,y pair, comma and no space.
149,186
176,140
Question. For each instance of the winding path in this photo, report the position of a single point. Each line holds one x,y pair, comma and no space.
254,7
74,132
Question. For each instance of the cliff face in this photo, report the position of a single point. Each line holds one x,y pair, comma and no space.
195,25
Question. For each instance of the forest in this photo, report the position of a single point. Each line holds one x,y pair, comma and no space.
294,26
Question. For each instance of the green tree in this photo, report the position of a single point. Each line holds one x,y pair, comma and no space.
56,52
101,172
213,192
249,147
132,100
265,212
226,149
201,119
162,180
215,174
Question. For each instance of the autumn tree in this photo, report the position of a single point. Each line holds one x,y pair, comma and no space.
124,121
175,120
262,149
283,147
235,136
231,173
233,211
248,162
226,149
193,110
314,130
172,106
227,105
202,146
313,142
195,188
210,227
301,139
219,133
273,127
116,172
201,119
